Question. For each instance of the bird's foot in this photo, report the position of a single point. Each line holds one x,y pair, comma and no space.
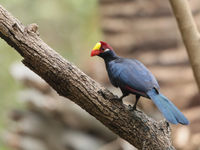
132,108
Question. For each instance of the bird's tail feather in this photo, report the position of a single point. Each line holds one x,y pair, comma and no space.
168,109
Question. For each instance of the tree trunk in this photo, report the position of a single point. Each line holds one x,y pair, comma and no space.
190,34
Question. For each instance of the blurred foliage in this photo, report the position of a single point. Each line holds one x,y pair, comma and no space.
68,26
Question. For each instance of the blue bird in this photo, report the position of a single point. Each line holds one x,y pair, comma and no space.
132,77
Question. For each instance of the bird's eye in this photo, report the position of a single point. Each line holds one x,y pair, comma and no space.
106,50
102,49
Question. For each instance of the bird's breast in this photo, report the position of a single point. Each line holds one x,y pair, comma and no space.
113,74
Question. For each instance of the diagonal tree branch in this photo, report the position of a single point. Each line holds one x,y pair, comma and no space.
70,82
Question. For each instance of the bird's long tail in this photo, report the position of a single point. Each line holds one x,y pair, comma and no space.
168,109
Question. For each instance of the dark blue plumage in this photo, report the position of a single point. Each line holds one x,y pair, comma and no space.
131,76
168,109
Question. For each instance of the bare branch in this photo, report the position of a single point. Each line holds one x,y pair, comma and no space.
189,32
135,127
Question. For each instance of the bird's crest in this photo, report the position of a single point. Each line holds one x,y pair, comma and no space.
105,45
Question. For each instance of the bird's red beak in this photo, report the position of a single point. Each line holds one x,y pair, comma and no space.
95,52
96,49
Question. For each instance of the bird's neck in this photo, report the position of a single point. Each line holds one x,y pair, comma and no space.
109,56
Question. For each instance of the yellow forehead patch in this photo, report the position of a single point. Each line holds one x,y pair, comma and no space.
97,46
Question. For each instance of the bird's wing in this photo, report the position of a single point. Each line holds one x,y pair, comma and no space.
133,74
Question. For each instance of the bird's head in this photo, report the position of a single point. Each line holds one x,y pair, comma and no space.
101,48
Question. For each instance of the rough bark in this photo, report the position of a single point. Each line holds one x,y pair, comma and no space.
135,127
189,32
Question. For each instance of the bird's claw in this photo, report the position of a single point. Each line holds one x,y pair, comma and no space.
132,108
